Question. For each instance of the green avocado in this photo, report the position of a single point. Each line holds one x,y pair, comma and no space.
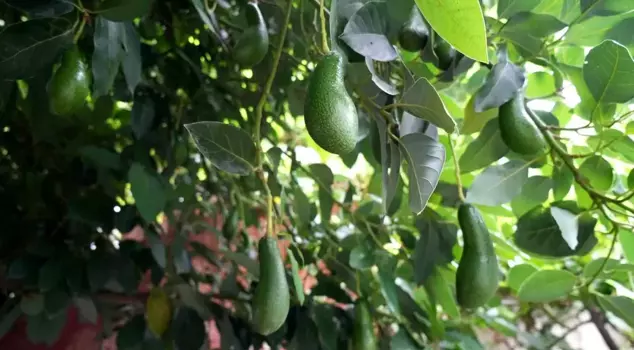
363,329
445,53
272,297
70,84
414,33
477,275
518,130
329,112
253,43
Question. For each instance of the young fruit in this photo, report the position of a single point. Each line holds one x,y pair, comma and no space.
70,83
477,276
158,311
253,43
444,51
329,113
271,298
518,130
414,33
363,330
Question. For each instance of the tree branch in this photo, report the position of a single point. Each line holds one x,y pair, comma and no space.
598,319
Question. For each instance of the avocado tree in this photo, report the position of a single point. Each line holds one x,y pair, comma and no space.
312,174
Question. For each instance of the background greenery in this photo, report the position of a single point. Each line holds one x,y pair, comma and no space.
176,136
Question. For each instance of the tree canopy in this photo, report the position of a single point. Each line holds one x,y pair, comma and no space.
317,174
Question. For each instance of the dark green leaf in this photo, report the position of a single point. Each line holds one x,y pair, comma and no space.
598,172
42,329
441,291
56,301
538,233
142,115
426,158
302,207
226,146
42,8
131,60
87,309
26,47
123,10
526,31
388,284
324,317
209,18
188,329
390,164
148,191
546,286
422,100
498,184
8,319
297,281
107,55
508,8
434,245
626,238
32,304
534,192
621,306
361,256
403,341
608,72
51,274
518,274
485,149
366,32
597,267
562,181
474,121
101,157
502,83
324,178
130,336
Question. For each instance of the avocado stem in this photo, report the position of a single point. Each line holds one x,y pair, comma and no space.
456,169
324,34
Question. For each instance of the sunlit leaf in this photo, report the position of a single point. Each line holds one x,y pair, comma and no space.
546,285
498,184
422,100
608,72
502,83
487,148
366,32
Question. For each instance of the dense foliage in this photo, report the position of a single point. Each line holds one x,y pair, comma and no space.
318,175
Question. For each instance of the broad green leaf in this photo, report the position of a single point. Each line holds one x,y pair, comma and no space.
410,124
188,329
508,8
366,32
107,55
302,207
388,284
361,257
562,181
324,316
441,290
592,31
131,60
540,84
7,320
123,10
87,309
621,306
148,192
592,268
546,286
306,334
422,100
101,157
324,177
498,184
626,238
475,121
297,281
38,8
390,160
142,115
504,80
518,274
425,159
51,273
538,232
527,31
42,329
568,225
26,47
402,340
130,336
534,192
434,245
487,148
608,72
226,146
32,304
598,172
570,55
605,7
460,23
588,108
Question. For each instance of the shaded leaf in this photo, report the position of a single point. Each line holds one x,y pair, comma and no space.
388,284
297,281
426,158
527,30
502,83
130,336
434,245
508,8
123,10
518,274
378,80
148,191
188,329
546,286
32,304
621,306
626,238
598,172
475,121
439,287
568,225
42,329
226,146
485,149
366,32
142,115
562,181
324,177
498,184
131,61
106,57
608,72
422,100
8,319
87,309
39,8
534,192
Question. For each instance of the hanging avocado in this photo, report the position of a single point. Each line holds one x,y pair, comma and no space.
444,51
363,328
414,34
518,130
70,83
253,43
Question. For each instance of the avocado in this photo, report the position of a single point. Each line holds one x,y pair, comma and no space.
363,329
329,113
70,84
272,297
158,311
518,130
414,33
444,51
477,275
253,43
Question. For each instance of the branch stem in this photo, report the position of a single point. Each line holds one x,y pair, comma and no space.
324,33
457,170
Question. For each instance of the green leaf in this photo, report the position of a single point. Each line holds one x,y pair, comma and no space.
226,146
123,10
608,72
534,192
391,157
592,268
568,224
439,287
388,284
42,329
366,32
546,286
460,23
32,304
498,184
27,47
324,177
503,81
7,320
527,31
538,232
142,115
101,157
382,81
148,191
51,274
107,55
475,121
130,336
302,207
518,274
188,329
361,256
402,340
485,149
297,281
621,306
598,172
425,157
540,84
39,8
131,61
87,309
422,100
508,8
56,302
562,181
626,238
